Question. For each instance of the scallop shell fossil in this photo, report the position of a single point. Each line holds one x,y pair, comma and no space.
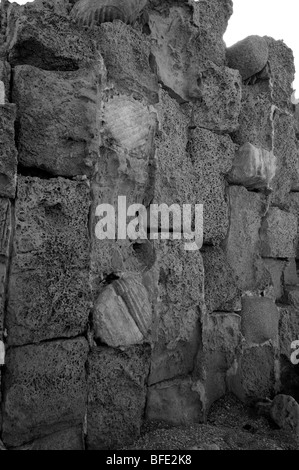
94,12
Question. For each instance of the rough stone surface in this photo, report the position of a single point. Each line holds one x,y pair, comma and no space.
217,93
45,390
8,162
69,439
123,313
221,338
176,331
260,318
278,234
5,247
126,55
49,295
221,291
282,69
253,168
212,157
175,401
288,328
293,206
246,211
57,119
249,56
114,419
47,40
5,77
276,269
249,382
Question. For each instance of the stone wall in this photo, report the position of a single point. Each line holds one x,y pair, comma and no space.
103,335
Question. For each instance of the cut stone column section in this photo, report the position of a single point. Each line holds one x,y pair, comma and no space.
44,390
259,320
212,157
242,244
253,167
278,234
47,40
116,396
8,161
57,119
177,402
176,331
254,373
249,56
221,339
123,313
216,93
49,294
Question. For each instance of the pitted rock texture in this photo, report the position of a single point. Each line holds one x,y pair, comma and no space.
8,162
45,390
49,294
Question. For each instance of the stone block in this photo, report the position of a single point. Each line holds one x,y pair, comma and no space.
69,439
49,292
212,157
276,269
176,402
116,396
288,329
221,290
47,40
44,390
242,243
250,382
259,320
8,162
56,119
216,94
278,234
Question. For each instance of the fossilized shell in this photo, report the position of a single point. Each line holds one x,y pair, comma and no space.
94,12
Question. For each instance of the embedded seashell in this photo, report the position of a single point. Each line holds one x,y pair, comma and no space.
94,12
129,122
253,167
122,315
249,56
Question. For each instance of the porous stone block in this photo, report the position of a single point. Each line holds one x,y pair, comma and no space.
288,328
126,55
259,320
212,157
253,167
8,161
47,40
278,234
123,313
253,374
176,329
256,117
175,401
49,293
69,439
249,56
293,206
281,61
216,93
286,153
116,396
221,290
5,77
44,390
221,338
242,243
5,247
276,269
56,119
